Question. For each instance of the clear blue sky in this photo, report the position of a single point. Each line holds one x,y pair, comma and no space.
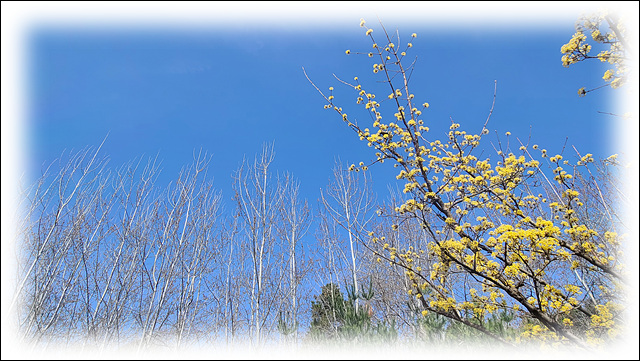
160,90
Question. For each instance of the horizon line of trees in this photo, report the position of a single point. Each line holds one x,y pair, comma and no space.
105,257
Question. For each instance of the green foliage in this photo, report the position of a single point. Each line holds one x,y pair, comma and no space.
339,319
286,326
325,311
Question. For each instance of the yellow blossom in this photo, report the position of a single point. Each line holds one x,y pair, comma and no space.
608,75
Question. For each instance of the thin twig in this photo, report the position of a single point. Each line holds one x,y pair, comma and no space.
495,89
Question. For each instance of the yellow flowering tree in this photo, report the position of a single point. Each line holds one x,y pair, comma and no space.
511,232
608,33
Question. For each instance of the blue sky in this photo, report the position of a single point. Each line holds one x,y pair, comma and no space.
166,91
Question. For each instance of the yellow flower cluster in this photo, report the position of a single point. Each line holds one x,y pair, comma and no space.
603,323
574,50
538,332
577,49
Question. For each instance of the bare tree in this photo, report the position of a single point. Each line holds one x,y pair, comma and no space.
295,223
105,256
258,201
231,286
180,254
349,204
63,221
